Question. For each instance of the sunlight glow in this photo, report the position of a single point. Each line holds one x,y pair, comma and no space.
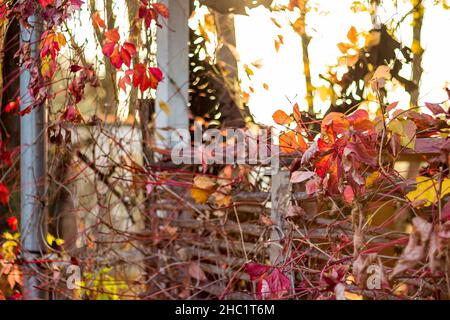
283,71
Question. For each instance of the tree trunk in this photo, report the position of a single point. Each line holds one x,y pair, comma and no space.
301,29
229,93
417,49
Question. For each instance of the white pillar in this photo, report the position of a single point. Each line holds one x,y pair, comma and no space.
173,60
33,161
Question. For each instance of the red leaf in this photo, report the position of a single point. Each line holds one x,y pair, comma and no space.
12,223
13,106
130,48
148,15
116,58
72,114
127,52
446,212
157,73
349,195
25,111
255,270
125,57
435,108
279,284
392,106
4,194
323,165
362,153
312,186
75,68
46,3
272,283
140,77
108,48
146,78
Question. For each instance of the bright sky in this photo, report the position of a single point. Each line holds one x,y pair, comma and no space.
283,71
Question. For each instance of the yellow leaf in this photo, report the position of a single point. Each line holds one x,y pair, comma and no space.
61,39
324,93
371,179
401,289
46,67
59,242
200,196
248,71
50,239
406,129
352,296
426,192
299,26
9,246
165,107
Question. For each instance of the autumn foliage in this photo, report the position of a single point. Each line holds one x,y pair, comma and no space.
348,206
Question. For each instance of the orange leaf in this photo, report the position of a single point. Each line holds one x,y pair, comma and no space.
281,117
97,21
344,47
297,114
360,120
323,165
200,196
336,121
125,80
113,35
352,35
161,9
291,142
